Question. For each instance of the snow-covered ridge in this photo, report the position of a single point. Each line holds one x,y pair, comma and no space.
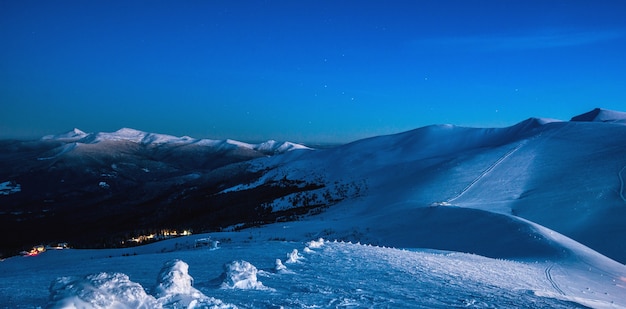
146,138
601,115
277,147
72,135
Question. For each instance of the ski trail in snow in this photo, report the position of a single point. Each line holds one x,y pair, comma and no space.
621,184
548,272
487,171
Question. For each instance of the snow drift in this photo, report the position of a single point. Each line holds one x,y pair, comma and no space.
115,290
103,290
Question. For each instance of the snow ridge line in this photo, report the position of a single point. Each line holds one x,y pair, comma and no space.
548,272
487,171
621,184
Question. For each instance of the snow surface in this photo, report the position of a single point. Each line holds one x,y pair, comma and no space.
330,274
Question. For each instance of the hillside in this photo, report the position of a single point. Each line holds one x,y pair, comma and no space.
566,176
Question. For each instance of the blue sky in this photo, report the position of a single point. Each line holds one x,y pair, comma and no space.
305,71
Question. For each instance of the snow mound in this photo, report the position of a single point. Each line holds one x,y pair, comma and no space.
293,257
241,275
174,288
601,115
281,268
115,290
315,244
174,278
103,290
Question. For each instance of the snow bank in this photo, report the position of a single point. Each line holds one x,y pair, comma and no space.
103,290
241,275
115,290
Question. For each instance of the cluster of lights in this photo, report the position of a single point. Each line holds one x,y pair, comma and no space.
163,234
36,250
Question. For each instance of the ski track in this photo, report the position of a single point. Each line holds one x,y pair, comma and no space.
621,184
487,171
548,272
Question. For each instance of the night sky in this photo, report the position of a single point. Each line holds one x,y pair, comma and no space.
304,71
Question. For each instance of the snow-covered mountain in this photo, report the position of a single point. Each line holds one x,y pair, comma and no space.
153,139
526,216
567,176
76,186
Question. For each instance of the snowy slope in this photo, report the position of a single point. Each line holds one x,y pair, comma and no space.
602,115
566,176
72,135
250,271
529,216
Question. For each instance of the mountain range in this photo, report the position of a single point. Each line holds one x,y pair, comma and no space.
100,188
543,192
97,189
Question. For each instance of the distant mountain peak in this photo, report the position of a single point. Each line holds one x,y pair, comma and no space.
78,132
601,115
74,134
272,146
129,131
